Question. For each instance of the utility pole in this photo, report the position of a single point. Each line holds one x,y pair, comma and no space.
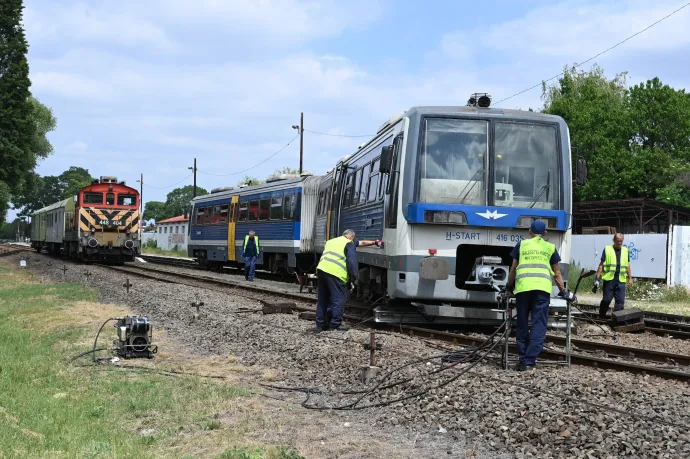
141,206
301,140
193,169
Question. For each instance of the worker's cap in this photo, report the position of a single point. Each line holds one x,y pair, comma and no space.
538,227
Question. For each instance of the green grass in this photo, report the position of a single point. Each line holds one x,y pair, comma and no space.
275,452
166,253
50,409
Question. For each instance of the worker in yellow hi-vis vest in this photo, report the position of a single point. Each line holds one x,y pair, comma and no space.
337,269
615,266
535,268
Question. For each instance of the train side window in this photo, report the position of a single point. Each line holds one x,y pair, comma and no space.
347,199
207,214
289,206
223,213
126,199
200,215
276,207
243,212
110,199
93,198
253,211
365,183
374,181
215,217
264,207
356,189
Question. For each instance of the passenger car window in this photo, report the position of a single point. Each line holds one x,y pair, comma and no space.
223,215
243,212
264,209
253,211
276,207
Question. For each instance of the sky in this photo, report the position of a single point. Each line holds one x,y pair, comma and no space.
146,87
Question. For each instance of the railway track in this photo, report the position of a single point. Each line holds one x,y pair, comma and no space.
588,353
659,323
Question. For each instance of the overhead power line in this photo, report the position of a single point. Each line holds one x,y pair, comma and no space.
338,135
254,166
169,186
597,55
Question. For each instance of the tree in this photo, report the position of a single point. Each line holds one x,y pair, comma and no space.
636,141
287,170
154,210
74,179
17,132
51,189
249,181
178,200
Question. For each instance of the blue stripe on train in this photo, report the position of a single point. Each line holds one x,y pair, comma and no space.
267,231
488,216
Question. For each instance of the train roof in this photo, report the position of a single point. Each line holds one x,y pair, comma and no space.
54,206
255,188
490,112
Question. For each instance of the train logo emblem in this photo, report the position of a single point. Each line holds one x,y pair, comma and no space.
491,215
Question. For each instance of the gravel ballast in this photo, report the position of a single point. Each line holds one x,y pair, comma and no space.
552,412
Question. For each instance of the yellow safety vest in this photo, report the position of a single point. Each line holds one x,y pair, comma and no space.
611,263
534,268
256,241
333,260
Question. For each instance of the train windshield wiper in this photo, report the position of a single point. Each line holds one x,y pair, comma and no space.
543,189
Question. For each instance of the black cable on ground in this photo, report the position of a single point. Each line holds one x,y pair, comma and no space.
89,352
93,351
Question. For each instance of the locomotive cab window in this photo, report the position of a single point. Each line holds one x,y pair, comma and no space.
110,199
126,199
276,207
93,198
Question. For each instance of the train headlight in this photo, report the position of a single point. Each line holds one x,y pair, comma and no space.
453,218
525,221
129,244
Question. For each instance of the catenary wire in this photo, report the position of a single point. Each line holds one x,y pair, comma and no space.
254,166
597,55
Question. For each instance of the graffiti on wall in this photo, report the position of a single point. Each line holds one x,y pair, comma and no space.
175,239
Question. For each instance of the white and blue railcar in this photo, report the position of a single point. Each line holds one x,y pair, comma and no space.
280,212
450,191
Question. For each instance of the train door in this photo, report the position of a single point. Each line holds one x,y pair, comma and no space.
334,216
232,221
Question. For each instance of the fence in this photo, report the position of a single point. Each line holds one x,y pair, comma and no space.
648,252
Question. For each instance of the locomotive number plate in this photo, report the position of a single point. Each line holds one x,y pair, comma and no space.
110,222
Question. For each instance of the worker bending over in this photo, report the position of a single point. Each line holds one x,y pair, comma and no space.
535,264
337,270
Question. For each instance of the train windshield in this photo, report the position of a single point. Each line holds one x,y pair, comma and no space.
453,162
526,168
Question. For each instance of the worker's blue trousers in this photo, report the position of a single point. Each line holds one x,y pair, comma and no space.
531,341
614,289
249,267
331,296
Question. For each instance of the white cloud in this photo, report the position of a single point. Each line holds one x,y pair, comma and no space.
70,86
574,30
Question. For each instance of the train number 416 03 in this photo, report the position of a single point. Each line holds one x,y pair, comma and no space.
512,238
